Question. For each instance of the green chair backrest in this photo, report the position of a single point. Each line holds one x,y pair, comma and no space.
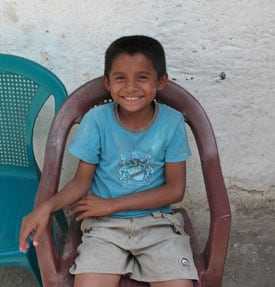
24,88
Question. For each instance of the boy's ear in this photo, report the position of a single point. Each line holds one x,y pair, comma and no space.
162,82
106,83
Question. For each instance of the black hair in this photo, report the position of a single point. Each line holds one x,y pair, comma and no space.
132,45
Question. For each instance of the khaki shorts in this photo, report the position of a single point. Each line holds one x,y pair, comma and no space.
150,248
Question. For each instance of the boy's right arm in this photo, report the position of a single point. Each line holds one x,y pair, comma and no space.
34,224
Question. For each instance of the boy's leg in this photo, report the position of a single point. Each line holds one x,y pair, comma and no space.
162,251
172,283
96,280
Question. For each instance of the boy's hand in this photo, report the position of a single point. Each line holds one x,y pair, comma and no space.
32,227
91,206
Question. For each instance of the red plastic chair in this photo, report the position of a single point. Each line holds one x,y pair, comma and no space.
209,262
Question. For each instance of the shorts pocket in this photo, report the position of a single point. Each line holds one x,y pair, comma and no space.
87,224
175,220
90,223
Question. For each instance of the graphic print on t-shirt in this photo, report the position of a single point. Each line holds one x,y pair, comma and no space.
135,169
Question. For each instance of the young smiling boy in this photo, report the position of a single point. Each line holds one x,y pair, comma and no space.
132,167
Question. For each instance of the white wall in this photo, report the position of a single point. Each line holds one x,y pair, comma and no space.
202,39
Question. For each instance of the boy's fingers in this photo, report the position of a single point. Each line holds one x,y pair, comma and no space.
76,209
37,236
24,234
81,216
24,246
23,243
27,234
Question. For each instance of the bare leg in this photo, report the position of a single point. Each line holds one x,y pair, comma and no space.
96,280
172,283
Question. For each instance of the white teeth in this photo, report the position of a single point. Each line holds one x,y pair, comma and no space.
132,98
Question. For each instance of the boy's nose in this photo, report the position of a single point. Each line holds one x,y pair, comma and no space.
131,85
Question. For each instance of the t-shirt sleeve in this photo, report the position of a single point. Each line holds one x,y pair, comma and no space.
178,148
86,142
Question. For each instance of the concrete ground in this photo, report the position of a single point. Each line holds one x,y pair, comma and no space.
251,258
251,255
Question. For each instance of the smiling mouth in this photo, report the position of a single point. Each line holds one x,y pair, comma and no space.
132,99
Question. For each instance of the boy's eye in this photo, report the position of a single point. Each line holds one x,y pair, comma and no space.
119,78
143,77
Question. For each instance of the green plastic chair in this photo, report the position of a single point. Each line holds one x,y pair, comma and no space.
24,88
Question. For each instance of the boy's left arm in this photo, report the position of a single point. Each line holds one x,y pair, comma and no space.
171,192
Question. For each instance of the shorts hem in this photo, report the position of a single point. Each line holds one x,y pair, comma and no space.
76,270
192,277
129,274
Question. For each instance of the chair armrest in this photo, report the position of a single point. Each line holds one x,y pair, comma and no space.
47,250
48,253
73,239
220,221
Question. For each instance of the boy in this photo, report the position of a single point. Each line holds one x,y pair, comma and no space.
132,168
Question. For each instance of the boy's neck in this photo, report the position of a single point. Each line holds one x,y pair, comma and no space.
136,121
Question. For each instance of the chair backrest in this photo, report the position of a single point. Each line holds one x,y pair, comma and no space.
94,93
24,88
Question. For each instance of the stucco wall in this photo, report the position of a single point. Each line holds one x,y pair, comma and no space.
202,39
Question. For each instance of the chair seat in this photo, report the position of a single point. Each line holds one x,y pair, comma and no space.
21,192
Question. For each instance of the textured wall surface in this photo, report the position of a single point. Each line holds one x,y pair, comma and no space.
221,51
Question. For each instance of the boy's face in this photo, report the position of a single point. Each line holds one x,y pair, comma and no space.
133,82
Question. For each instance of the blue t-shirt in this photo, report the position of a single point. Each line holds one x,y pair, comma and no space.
129,162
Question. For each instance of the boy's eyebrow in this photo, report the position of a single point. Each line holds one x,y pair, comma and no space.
144,72
139,72
116,73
